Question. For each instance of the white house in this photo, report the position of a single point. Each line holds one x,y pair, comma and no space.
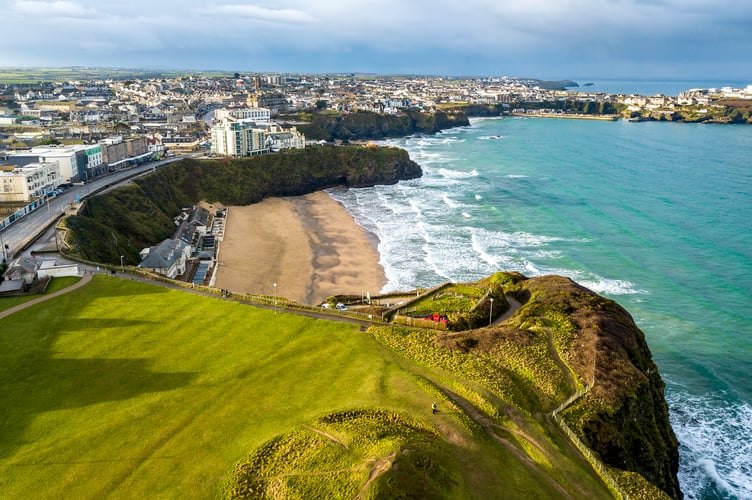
167,258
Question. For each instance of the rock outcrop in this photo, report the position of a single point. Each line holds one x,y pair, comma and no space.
624,416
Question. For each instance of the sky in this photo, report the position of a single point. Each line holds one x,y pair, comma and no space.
548,39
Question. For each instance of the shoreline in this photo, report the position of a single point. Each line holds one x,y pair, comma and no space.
608,118
309,246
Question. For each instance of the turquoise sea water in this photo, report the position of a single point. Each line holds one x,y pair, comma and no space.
657,216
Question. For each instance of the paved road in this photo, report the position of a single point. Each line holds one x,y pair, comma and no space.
20,233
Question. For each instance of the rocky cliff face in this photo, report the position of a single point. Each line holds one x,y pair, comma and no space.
366,125
624,416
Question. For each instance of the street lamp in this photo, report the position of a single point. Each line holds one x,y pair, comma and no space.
490,314
275,298
122,266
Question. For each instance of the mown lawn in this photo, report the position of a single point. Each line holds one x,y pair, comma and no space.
136,391
130,388
55,285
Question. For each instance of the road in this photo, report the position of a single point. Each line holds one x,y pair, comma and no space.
25,229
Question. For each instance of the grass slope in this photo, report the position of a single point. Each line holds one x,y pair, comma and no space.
54,285
133,390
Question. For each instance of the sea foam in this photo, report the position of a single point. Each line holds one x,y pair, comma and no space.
715,439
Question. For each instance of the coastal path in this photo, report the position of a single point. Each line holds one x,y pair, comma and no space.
84,280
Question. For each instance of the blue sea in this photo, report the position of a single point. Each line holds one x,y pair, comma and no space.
657,216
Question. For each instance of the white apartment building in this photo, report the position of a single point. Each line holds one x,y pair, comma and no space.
247,138
77,162
71,163
237,138
258,115
278,139
27,183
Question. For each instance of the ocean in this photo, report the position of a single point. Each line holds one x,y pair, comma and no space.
657,216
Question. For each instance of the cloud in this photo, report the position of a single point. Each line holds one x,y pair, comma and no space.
60,8
256,13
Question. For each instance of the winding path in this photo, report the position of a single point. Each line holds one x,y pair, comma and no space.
84,280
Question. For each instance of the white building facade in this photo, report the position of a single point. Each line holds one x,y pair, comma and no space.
238,138
27,183
258,115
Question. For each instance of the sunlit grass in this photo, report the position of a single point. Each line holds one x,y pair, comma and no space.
125,389
55,285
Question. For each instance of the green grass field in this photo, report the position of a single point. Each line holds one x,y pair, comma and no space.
55,285
132,390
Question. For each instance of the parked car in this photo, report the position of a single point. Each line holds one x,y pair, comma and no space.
342,307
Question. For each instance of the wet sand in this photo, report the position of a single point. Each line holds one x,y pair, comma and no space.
309,246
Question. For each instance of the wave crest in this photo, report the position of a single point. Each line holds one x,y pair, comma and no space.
715,440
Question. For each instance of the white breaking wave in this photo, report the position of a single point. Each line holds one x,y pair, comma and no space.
515,176
715,445
450,203
610,286
452,140
457,174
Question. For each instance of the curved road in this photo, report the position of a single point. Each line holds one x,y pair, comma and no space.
24,230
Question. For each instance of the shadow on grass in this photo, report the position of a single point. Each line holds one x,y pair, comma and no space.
38,375
39,385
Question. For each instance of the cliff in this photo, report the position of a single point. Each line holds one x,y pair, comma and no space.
507,379
567,355
624,416
365,125
140,214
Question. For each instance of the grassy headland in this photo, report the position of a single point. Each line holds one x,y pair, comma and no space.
130,389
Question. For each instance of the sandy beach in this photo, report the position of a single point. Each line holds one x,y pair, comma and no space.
309,246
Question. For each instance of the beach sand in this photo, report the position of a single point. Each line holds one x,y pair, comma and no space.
309,246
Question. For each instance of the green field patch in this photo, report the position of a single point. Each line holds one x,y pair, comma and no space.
371,453
54,285
125,389
449,300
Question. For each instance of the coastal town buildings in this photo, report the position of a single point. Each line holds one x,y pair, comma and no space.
167,258
257,115
242,131
72,161
28,182
194,114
